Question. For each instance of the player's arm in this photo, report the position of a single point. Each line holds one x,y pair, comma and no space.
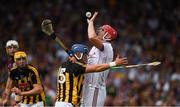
7,91
47,28
37,89
101,67
92,33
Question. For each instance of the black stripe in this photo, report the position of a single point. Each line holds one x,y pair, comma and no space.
28,99
44,103
71,88
79,77
64,90
23,99
40,98
34,98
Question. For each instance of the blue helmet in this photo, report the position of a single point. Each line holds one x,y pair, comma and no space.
79,48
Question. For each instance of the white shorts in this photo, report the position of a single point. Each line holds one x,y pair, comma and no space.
38,104
63,104
93,96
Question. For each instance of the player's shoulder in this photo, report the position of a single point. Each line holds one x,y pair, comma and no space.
70,63
32,68
13,69
73,65
107,44
80,64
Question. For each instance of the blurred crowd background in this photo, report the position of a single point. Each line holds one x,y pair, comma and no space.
149,30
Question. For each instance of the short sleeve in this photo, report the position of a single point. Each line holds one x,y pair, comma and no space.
79,69
35,76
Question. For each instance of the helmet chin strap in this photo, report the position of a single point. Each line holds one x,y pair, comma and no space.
78,58
104,37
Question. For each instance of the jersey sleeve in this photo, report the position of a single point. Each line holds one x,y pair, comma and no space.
35,76
79,69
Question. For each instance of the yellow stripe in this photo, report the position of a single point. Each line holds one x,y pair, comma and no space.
43,96
36,73
67,87
61,93
37,98
80,82
75,84
22,90
14,67
25,99
57,92
25,80
31,100
19,82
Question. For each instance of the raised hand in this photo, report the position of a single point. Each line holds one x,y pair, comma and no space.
47,27
92,18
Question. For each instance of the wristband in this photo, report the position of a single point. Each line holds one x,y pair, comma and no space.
112,64
53,36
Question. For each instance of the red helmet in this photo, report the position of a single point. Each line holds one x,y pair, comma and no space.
111,31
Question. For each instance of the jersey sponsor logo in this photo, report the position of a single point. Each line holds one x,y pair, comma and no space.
23,85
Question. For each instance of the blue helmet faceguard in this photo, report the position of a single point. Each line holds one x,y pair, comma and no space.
83,49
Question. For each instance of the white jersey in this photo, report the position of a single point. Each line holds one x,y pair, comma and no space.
98,57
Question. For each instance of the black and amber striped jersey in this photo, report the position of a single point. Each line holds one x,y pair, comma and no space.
24,78
70,82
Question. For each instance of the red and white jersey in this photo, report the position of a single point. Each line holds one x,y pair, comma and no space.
98,57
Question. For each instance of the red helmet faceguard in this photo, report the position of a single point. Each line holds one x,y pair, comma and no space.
111,31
